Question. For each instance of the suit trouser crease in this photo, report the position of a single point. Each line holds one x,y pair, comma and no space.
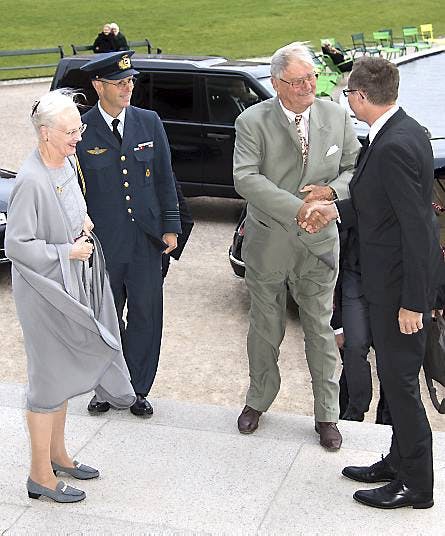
399,358
138,284
311,283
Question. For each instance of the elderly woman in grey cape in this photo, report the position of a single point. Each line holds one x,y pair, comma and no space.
65,307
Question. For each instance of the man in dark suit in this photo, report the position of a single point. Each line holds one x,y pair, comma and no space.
390,206
131,198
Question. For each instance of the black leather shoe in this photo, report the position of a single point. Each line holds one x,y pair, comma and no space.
142,407
248,420
95,407
394,495
378,472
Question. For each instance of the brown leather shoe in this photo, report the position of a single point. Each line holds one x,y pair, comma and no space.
330,437
248,420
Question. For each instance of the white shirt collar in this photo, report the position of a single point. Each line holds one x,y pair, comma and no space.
109,118
291,115
378,124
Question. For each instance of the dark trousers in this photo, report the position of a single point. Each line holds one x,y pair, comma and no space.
357,333
358,340
399,358
138,284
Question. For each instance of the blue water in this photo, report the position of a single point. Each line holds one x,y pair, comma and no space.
422,91
422,96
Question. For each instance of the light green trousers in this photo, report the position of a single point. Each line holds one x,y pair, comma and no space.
311,283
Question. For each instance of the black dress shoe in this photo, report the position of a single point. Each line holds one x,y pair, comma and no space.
378,472
95,407
142,407
394,495
248,420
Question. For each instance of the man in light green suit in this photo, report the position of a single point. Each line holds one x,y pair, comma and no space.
291,149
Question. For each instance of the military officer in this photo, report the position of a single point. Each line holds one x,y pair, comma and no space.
130,192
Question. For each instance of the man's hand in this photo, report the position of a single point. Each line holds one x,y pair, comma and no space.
340,340
318,193
309,219
409,321
171,240
314,216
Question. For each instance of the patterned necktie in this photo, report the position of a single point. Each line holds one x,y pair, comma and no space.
116,132
303,142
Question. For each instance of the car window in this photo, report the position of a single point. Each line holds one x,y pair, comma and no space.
142,91
227,97
173,96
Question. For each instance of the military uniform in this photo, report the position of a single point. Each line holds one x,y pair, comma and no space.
131,198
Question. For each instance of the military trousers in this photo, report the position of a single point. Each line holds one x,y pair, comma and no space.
311,284
137,284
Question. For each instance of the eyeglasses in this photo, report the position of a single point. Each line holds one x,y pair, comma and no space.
74,131
121,84
347,91
298,82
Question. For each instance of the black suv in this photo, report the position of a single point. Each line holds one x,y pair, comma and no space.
198,100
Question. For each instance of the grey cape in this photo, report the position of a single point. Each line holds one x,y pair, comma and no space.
65,308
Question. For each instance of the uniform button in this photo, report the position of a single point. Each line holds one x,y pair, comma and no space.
129,210
127,197
132,219
123,158
124,171
126,184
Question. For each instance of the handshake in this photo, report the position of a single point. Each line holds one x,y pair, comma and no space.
318,209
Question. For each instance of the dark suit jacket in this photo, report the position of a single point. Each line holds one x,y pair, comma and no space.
128,185
390,205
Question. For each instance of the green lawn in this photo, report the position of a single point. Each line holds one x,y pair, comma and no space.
232,28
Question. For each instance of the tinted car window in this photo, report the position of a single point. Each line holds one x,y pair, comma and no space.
227,97
142,91
173,96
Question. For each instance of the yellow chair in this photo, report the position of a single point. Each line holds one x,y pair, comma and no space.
426,31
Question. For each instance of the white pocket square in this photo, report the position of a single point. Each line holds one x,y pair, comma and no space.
332,150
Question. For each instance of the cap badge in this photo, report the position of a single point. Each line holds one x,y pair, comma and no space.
124,63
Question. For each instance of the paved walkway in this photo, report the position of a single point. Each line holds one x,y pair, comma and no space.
187,471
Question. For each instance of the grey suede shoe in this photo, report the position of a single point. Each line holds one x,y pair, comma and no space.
80,471
62,493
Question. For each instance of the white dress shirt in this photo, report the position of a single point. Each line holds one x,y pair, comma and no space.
378,123
108,119
304,125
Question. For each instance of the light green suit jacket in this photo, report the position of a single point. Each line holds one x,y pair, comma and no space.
269,174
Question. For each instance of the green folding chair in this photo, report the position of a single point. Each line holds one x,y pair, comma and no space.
360,45
325,85
384,44
411,38
335,67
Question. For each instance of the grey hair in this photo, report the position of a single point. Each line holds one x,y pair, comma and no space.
114,26
51,105
283,56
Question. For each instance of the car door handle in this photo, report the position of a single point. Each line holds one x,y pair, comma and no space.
218,137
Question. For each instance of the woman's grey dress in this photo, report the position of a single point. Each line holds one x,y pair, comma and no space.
65,308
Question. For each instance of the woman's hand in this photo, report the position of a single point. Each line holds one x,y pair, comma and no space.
88,225
82,249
